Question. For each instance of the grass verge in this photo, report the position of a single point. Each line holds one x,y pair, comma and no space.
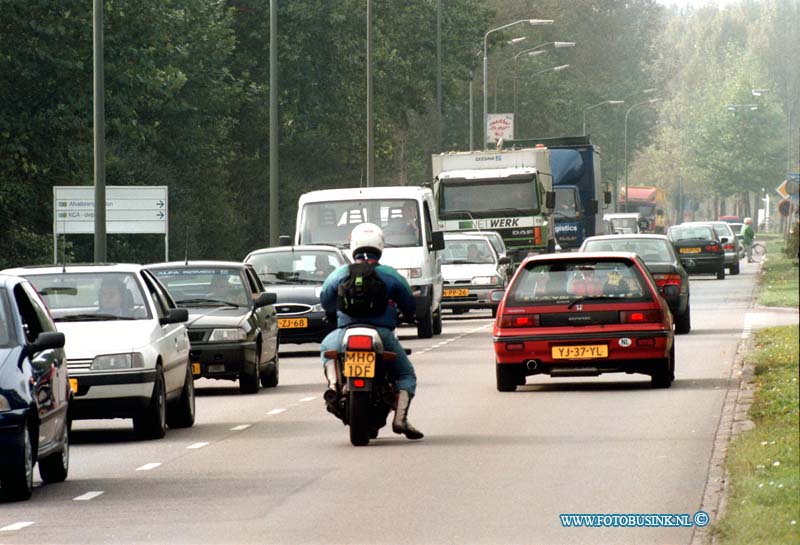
764,463
780,283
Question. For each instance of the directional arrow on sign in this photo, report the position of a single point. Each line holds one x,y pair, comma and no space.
160,214
160,204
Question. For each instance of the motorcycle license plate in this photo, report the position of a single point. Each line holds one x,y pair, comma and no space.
359,364
461,292
582,352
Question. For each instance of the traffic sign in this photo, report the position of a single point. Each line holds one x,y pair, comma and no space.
129,209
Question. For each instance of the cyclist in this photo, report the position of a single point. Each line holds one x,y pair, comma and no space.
747,238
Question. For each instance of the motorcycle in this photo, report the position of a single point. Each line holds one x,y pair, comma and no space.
364,394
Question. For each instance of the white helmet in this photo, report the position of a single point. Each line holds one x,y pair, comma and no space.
366,237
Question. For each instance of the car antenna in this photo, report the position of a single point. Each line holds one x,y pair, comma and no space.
186,248
63,252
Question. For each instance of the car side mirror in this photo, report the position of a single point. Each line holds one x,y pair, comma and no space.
724,239
670,291
594,206
437,241
505,260
265,298
47,340
175,316
607,197
550,199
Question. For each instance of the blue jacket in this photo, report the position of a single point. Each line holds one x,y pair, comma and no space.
397,289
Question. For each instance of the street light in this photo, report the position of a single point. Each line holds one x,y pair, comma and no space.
616,154
509,42
532,52
595,106
625,145
486,65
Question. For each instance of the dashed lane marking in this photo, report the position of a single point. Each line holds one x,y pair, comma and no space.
276,411
240,427
197,445
88,496
15,526
306,399
148,467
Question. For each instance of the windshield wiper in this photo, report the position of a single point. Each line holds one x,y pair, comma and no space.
200,301
91,318
582,299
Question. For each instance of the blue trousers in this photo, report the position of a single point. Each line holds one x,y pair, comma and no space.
401,370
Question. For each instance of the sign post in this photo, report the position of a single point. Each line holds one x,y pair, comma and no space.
129,210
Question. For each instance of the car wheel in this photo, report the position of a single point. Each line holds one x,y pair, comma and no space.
425,325
664,374
507,377
17,479
55,467
721,274
248,378
182,413
152,423
734,269
437,322
683,322
269,378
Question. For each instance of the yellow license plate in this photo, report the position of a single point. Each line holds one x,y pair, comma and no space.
456,293
359,364
691,250
73,384
196,369
292,323
582,352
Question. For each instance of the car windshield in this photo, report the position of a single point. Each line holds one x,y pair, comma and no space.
6,328
589,280
494,238
459,196
651,250
566,202
295,267
92,296
723,229
204,286
688,233
625,225
467,252
331,222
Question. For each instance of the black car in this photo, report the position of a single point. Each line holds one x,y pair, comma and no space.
232,327
699,248
34,392
663,263
296,274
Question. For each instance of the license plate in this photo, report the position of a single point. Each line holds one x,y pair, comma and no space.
690,250
216,368
359,364
582,352
196,369
73,384
292,323
463,292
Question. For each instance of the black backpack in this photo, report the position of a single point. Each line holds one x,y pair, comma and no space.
362,294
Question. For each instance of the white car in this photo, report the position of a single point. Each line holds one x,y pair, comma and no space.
127,348
472,270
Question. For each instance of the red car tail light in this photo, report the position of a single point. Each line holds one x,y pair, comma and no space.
664,279
358,383
728,246
519,320
359,342
712,248
639,316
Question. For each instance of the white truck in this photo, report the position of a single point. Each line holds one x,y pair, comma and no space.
408,218
509,191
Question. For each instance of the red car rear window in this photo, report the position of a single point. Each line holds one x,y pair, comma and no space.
559,281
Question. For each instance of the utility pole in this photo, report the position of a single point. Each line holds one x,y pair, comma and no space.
274,211
99,135
439,75
370,144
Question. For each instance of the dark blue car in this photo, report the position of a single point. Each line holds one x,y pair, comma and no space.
34,392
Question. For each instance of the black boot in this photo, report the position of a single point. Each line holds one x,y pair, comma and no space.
400,424
331,395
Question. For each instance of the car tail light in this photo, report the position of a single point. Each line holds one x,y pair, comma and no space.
664,279
359,342
519,320
358,383
639,316
712,248
728,246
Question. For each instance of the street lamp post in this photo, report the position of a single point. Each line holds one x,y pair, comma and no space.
625,144
595,106
497,75
532,52
553,69
486,65
616,154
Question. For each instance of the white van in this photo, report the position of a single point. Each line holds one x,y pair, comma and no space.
407,216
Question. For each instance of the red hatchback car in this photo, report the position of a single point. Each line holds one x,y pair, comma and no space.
583,314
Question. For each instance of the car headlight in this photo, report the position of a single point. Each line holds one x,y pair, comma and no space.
117,361
485,280
4,404
317,308
410,273
227,335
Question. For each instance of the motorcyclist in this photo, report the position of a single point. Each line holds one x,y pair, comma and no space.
366,245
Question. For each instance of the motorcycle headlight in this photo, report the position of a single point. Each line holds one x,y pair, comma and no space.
108,362
485,280
410,273
4,404
227,335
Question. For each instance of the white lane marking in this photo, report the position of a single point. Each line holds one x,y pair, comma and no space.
276,411
88,496
198,445
15,526
240,427
148,467
305,399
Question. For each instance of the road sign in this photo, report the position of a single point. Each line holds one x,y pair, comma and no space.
499,126
129,209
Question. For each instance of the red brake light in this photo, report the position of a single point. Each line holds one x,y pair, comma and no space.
519,320
639,316
358,383
728,246
712,248
359,342
664,279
